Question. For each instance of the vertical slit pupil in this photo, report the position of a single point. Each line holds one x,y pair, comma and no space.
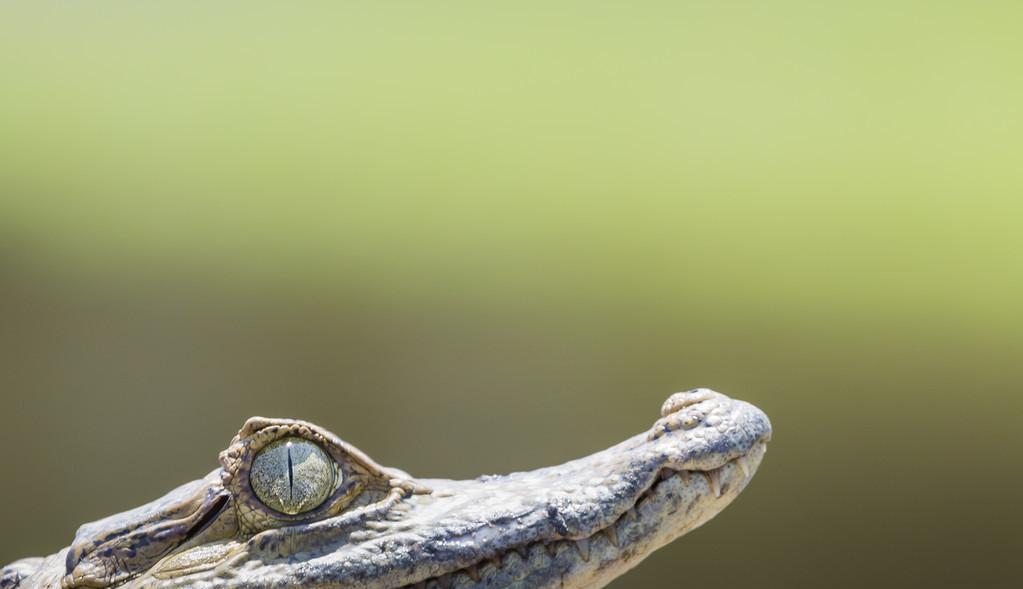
291,476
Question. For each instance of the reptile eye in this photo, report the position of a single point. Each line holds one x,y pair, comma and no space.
293,475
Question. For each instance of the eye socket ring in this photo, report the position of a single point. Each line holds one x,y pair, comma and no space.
293,475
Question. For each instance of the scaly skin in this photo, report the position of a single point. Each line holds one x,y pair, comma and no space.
580,524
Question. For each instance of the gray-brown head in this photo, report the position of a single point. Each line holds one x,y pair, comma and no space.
292,504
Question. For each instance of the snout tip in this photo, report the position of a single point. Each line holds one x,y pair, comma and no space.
702,422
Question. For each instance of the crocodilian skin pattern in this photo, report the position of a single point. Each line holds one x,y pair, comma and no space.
580,524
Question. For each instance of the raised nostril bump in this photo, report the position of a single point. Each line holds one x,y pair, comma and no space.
679,401
680,412
691,421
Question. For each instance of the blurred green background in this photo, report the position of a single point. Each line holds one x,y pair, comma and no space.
478,237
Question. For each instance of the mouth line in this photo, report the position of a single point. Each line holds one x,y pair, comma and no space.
581,547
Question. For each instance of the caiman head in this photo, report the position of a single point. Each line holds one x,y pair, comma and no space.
294,505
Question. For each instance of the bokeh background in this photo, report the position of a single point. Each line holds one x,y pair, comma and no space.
478,237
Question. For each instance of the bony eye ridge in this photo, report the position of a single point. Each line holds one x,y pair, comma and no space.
293,475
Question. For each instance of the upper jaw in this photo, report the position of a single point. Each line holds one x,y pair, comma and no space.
611,508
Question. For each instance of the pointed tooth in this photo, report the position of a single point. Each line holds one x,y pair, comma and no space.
611,534
713,482
523,552
743,465
583,546
473,572
629,515
552,549
496,561
684,475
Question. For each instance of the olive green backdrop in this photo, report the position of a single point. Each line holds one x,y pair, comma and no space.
481,237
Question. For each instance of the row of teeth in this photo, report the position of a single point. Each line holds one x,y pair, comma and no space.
582,545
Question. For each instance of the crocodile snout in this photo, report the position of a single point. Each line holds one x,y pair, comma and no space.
701,429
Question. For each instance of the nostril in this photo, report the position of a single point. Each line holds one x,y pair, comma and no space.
679,401
691,420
